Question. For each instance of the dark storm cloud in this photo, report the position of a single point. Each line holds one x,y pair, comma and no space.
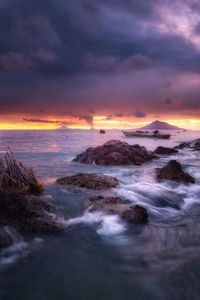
91,111
191,104
40,121
119,115
140,114
87,118
88,53
168,101
61,124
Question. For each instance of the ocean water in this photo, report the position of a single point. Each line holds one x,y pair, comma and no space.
99,256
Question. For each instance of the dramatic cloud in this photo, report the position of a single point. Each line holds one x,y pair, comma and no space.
119,115
87,118
168,101
140,114
86,57
14,61
40,121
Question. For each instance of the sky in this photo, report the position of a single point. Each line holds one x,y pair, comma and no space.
101,63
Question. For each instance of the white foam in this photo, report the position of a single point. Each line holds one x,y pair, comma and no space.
18,249
108,225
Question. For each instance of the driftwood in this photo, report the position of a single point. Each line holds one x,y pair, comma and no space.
13,174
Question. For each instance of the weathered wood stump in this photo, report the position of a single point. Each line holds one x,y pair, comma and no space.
14,175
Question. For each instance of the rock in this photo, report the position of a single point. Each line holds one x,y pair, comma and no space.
113,205
135,214
182,146
194,145
102,131
165,151
90,181
6,238
173,171
27,213
114,153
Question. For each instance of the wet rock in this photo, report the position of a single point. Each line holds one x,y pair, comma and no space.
194,145
90,181
165,151
114,205
135,214
102,131
181,146
30,214
114,153
6,238
173,171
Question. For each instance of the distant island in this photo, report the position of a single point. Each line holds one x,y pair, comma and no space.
158,125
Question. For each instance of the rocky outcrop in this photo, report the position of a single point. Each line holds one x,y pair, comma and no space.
29,214
165,151
6,238
113,205
90,181
115,153
173,171
194,145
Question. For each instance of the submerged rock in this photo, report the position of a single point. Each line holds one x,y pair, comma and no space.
113,205
6,238
27,213
90,181
173,171
114,153
165,151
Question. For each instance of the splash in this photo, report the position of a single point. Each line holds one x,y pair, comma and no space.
107,225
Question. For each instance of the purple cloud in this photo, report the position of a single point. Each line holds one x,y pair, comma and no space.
15,61
140,114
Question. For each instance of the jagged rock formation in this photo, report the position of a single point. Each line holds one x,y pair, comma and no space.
165,151
173,171
115,153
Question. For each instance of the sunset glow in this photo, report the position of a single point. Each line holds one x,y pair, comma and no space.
99,122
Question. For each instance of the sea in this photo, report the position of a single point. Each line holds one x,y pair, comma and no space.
98,256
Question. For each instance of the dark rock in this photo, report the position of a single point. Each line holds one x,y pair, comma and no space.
114,205
114,153
96,198
182,146
165,151
194,145
102,131
173,171
135,214
6,238
27,213
90,181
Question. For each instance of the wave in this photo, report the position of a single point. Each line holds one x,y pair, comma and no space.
19,249
107,225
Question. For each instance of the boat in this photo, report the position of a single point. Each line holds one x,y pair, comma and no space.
147,134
